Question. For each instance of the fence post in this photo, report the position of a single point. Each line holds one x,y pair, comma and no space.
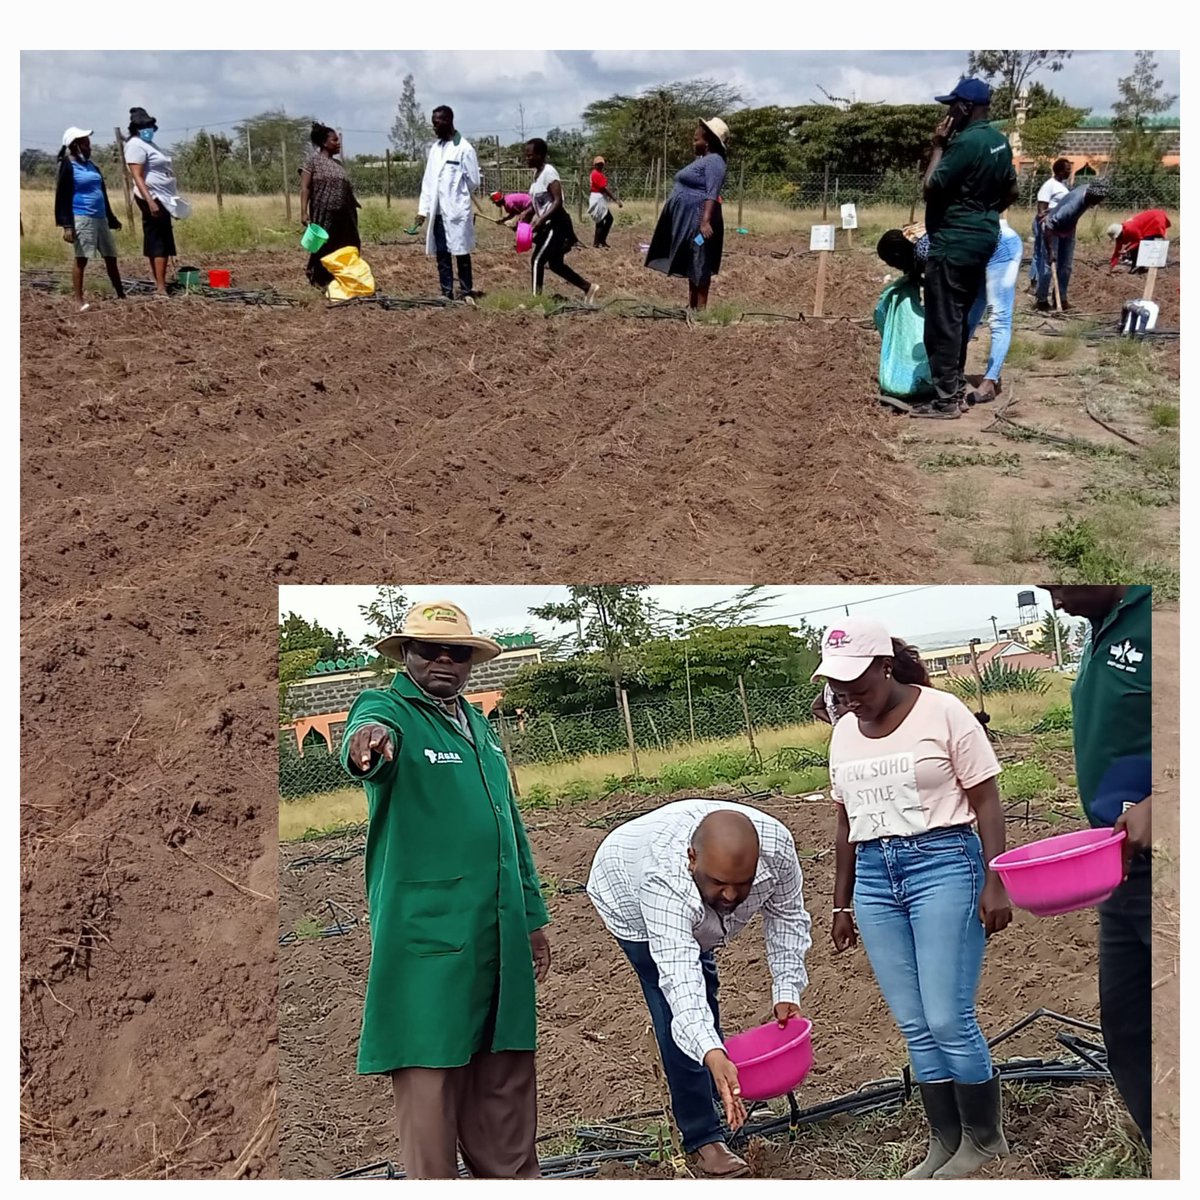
741,189
654,730
746,714
287,191
216,166
387,178
825,197
637,773
508,758
124,173
554,735
582,176
912,212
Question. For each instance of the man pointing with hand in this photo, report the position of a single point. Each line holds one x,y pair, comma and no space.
456,911
672,886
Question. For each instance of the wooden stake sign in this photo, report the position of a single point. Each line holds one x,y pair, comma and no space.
820,241
849,223
1152,254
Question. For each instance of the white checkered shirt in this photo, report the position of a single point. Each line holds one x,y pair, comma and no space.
644,892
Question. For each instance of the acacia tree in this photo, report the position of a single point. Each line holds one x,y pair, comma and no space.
1139,148
1013,68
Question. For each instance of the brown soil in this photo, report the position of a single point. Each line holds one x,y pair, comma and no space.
595,1057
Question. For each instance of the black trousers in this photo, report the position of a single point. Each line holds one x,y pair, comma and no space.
602,228
466,282
950,291
1125,990
549,246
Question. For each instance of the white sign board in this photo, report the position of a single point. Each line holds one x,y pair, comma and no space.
1153,252
849,216
821,237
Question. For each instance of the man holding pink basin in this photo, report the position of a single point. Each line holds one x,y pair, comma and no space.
1111,718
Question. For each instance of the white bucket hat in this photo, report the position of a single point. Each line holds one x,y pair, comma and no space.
850,647
1114,230
74,133
440,622
718,129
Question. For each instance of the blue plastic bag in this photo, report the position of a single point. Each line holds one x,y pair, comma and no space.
903,364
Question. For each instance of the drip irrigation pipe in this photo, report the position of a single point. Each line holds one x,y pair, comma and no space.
337,929
1089,1066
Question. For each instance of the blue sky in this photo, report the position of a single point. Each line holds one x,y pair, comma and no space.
358,90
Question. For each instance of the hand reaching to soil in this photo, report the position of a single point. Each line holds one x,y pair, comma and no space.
367,742
725,1076
539,944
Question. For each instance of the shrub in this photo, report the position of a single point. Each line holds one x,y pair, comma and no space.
1026,780
1055,718
999,677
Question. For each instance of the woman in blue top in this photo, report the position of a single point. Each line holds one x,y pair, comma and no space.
690,234
82,211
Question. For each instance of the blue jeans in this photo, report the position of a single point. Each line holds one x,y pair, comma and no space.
999,293
466,283
1039,252
1064,259
694,1099
916,904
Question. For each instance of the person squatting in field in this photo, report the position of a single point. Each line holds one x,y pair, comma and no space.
553,231
671,887
970,180
907,250
690,235
83,213
913,776
456,910
1113,726
450,181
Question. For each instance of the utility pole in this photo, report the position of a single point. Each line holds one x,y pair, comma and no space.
995,629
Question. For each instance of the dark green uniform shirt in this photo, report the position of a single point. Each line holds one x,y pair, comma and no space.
452,890
967,193
1110,701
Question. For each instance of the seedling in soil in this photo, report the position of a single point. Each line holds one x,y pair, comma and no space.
309,929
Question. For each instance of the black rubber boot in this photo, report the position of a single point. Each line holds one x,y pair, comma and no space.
979,1112
945,1130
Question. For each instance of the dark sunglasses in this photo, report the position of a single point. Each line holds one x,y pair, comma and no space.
432,651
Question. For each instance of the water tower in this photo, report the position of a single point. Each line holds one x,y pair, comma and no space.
1027,607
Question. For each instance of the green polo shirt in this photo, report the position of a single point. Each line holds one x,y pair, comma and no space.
1110,700
967,193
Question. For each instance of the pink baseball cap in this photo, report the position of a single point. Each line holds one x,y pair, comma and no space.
850,646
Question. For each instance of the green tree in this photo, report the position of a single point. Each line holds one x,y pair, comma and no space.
259,141
610,620
384,615
297,633
769,656
1044,642
1013,68
410,131
560,688
566,147
1139,147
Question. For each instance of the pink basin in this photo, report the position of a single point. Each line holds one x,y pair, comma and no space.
524,236
772,1061
1063,873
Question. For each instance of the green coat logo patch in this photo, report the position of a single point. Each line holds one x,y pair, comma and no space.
442,756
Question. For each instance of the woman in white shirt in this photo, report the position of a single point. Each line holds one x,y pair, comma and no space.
553,231
156,194
919,817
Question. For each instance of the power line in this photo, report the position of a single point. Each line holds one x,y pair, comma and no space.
866,600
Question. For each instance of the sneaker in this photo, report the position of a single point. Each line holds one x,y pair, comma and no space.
938,410
593,292
469,298
1042,306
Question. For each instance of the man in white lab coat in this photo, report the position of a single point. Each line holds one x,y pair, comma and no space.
451,176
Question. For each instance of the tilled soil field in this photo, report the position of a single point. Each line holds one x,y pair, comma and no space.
595,1058
180,460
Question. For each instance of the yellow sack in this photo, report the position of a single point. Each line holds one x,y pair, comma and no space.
351,274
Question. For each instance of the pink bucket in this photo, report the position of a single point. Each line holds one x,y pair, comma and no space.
1063,873
772,1061
524,237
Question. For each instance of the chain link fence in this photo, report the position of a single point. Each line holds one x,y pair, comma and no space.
664,723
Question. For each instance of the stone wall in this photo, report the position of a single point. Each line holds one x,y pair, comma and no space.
335,693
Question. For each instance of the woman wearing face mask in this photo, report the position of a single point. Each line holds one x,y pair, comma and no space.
156,194
83,213
919,818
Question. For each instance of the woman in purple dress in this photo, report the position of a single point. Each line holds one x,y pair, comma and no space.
690,234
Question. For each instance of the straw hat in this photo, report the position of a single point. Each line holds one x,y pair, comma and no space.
718,129
598,161
441,622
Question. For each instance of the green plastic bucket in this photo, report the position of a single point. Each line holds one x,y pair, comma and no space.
314,238
188,278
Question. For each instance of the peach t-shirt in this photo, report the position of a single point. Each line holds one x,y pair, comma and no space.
915,779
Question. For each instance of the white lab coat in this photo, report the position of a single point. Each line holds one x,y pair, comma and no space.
451,175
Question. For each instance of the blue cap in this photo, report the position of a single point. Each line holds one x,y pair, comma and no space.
973,91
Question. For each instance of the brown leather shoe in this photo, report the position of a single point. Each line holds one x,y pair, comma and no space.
717,1161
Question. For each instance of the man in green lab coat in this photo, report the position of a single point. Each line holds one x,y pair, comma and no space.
456,908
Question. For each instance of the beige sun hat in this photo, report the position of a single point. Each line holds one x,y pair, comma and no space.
1114,231
718,129
439,621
